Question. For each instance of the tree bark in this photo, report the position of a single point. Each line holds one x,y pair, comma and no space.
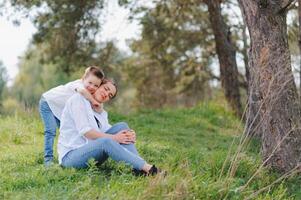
226,56
273,92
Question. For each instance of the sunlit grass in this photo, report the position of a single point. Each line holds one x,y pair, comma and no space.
191,144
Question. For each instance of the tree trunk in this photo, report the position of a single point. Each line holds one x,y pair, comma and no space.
272,86
226,56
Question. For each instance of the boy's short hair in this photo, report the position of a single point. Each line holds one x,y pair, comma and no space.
96,71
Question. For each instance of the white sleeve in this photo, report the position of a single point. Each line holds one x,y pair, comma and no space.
77,84
79,112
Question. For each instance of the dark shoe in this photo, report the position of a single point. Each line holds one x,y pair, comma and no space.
153,171
137,172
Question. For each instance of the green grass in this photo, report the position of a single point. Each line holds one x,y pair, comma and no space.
191,144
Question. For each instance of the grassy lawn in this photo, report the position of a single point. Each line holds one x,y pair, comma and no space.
191,144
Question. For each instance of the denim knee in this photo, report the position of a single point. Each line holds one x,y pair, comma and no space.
106,143
102,141
122,125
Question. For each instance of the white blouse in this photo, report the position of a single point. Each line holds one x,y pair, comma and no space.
77,119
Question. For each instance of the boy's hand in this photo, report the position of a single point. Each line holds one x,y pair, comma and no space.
97,107
95,104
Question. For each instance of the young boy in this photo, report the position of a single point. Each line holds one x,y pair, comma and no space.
53,101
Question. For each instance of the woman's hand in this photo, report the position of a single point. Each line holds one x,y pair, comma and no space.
125,137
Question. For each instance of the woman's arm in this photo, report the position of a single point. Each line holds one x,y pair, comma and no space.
83,117
93,134
122,137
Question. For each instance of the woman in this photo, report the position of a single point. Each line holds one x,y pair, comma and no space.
85,134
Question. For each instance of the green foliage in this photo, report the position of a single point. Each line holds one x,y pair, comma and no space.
67,27
171,64
3,81
172,59
191,144
10,106
34,78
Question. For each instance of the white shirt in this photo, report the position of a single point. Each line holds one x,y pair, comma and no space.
58,96
77,119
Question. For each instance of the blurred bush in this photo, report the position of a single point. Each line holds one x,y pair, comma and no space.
10,106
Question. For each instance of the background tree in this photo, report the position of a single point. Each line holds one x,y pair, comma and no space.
64,44
177,34
172,64
34,78
3,81
171,60
68,27
226,52
272,86
293,40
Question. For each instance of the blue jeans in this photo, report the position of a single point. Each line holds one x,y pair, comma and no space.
51,123
102,148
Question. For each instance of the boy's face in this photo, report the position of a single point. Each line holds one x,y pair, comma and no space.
91,83
105,92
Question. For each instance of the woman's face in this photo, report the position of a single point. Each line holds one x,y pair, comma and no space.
105,92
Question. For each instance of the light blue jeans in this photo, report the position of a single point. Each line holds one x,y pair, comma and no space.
102,148
51,123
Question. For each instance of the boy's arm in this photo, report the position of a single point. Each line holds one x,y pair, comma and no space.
89,97
98,109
